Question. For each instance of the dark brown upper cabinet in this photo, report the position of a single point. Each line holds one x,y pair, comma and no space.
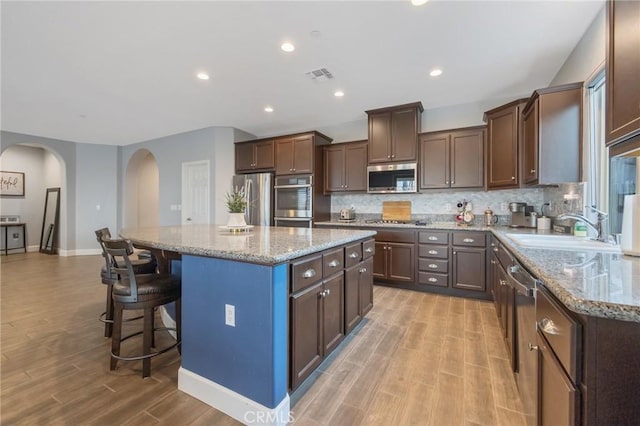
393,133
623,72
552,135
345,167
452,159
255,156
504,128
297,154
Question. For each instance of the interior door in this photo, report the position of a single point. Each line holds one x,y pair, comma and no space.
195,192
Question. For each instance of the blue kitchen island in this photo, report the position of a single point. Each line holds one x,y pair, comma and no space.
235,310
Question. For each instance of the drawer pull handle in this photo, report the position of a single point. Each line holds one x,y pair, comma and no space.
433,266
495,249
432,238
363,270
433,251
549,327
354,255
468,240
493,262
309,273
334,263
368,250
433,280
503,282
533,347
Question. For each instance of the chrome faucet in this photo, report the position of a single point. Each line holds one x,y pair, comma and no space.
598,226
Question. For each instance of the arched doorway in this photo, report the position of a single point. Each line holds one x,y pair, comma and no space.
43,168
142,190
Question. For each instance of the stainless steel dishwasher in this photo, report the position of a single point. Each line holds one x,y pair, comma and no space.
527,352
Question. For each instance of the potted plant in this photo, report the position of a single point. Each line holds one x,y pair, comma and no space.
236,205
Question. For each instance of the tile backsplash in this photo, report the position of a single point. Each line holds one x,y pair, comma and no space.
437,203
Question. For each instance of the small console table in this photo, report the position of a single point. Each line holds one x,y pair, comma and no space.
7,226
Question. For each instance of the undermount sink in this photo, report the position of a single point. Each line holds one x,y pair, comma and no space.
561,242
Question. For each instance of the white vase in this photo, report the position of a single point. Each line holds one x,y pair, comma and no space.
236,220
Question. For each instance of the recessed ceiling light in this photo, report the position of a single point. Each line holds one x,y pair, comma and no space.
338,94
435,72
418,2
287,47
268,109
203,76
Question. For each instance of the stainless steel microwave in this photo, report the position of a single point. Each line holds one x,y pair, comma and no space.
392,178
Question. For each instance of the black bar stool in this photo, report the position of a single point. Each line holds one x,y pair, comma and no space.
140,291
145,264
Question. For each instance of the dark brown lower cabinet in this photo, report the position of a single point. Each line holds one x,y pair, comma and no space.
358,289
469,268
394,261
306,333
559,399
332,301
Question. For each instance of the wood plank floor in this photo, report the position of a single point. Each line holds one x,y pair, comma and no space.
417,359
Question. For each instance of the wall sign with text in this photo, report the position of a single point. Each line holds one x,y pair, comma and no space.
12,183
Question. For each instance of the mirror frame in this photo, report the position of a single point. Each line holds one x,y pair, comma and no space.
49,246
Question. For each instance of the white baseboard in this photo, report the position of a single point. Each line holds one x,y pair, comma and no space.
239,407
79,252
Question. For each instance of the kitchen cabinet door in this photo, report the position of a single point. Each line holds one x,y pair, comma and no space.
434,161
467,159
623,71
380,261
404,134
355,167
352,297
332,312
294,155
469,268
401,258
334,163
366,286
306,333
503,134
379,137
264,152
244,156
255,156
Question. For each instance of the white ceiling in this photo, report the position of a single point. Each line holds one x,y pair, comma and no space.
123,72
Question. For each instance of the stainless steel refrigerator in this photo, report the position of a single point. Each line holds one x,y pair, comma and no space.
258,188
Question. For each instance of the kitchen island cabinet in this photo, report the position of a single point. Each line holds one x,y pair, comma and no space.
235,294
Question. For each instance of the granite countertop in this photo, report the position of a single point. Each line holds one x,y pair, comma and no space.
588,282
262,245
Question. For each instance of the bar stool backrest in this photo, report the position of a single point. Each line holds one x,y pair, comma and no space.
119,251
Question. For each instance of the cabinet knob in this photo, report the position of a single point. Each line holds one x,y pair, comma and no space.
533,172
455,252
354,255
493,262
453,182
513,178
309,273
363,270
433,251
368,250
446,182
495,249
533,347
433,280
393,156
503,282
432,238
433,266
333,263
327,292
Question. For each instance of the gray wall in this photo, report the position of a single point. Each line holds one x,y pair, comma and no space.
212,143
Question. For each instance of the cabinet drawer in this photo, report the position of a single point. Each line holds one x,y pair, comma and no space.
469,239
440,280
352,254
368,248
395,236
433,237
432,265
560,330
305,272
441,252
332,261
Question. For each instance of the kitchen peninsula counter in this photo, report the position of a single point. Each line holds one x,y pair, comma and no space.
235,310
588,282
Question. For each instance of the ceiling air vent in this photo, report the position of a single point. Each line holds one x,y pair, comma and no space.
321,74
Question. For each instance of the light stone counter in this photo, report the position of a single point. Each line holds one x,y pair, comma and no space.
261,245
587,282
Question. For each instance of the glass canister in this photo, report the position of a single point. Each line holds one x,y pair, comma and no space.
489,218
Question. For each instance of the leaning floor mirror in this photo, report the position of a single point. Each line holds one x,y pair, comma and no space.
49,235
